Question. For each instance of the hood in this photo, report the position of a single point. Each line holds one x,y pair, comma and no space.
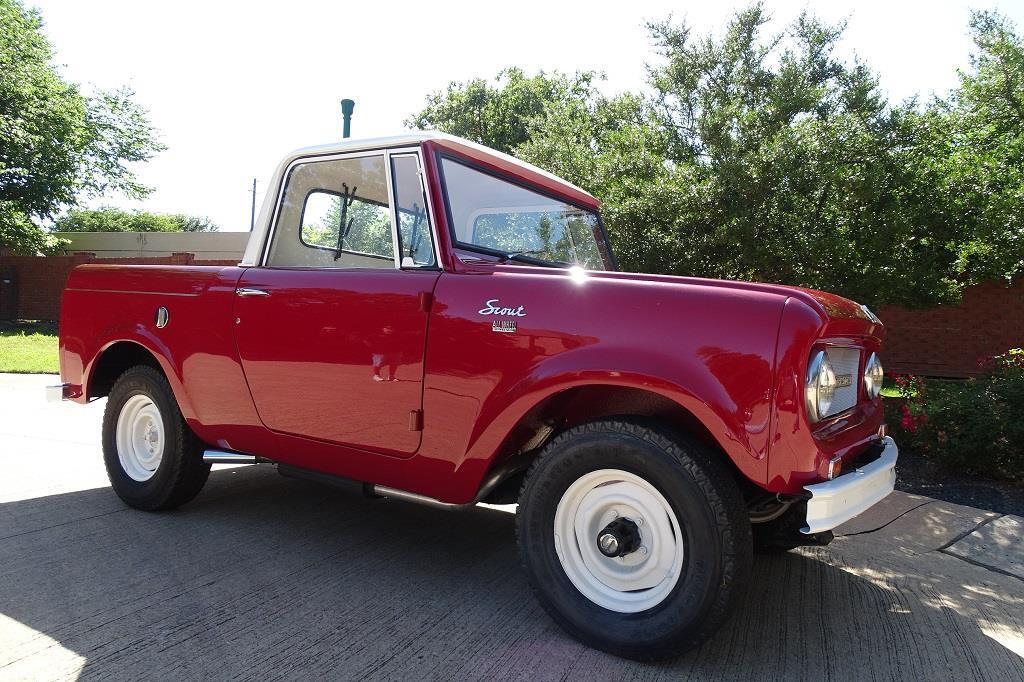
841,315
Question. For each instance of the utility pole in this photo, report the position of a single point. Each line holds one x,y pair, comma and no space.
252,215
347,106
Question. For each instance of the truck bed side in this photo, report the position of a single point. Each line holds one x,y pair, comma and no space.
109,313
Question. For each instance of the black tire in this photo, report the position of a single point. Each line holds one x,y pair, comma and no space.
181,472
712,518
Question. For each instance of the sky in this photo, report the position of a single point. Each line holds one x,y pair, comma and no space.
233,86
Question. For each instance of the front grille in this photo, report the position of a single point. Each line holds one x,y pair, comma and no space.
846,365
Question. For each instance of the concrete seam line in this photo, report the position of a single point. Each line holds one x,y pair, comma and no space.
981,565
873,530
960,537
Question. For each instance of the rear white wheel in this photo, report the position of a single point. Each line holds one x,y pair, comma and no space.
153,459
618,540
140,437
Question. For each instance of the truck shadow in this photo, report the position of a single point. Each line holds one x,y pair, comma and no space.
266,577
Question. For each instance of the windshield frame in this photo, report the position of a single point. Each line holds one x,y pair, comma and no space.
603,244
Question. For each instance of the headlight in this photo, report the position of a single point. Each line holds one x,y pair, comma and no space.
873,376
820,387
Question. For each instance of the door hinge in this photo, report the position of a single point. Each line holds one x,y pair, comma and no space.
416,420
426,298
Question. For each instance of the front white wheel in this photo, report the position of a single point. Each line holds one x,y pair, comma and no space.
618,540
635,539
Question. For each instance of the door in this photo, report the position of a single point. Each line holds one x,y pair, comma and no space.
331,330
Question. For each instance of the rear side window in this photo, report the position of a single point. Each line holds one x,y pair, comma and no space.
335,214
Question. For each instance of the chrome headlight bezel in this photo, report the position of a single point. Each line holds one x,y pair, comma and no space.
819,386
874,375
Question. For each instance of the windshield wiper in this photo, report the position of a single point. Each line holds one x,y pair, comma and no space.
518,255
343,229
526,252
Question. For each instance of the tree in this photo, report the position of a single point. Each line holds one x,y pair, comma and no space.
981,171
499,115
57,145
117,220
762,158
766,157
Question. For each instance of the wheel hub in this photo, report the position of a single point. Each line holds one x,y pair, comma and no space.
619,538
139,437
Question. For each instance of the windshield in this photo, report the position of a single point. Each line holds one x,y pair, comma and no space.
496,216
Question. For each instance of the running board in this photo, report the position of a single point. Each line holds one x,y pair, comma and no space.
509,468
225,457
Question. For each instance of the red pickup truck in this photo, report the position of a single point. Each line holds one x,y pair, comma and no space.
445,324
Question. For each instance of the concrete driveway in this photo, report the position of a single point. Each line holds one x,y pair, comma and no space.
263,577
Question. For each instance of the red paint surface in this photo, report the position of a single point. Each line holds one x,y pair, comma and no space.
336,355
336,360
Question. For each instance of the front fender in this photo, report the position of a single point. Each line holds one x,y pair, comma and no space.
734,416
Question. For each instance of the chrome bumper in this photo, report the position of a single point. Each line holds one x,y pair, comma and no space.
839,500
55,394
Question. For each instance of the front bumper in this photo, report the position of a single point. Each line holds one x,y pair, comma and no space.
839,500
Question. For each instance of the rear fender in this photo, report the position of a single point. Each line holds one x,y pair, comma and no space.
160,351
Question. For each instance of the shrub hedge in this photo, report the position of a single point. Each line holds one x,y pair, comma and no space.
975,426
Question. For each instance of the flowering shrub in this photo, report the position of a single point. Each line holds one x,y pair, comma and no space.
975,425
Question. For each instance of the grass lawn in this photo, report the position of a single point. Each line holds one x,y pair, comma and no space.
28,347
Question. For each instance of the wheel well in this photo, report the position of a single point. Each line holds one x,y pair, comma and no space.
113,362
581,404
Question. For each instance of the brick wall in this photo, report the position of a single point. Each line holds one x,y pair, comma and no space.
942,341
948,340
30,286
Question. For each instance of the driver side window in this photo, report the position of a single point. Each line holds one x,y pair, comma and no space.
335,214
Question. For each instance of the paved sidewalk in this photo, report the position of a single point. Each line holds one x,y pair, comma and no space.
263,577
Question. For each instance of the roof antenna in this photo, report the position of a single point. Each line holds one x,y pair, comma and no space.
347,106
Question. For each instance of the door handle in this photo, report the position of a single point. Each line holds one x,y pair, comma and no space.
244,291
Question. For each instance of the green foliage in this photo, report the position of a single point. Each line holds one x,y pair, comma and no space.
983,171
499,115
973,425
767,157
56,144
369,228
118,220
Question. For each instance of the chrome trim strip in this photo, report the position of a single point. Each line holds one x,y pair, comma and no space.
142,293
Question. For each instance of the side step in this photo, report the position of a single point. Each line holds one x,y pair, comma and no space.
509,468
226,457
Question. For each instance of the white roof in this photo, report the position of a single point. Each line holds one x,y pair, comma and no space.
256,239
